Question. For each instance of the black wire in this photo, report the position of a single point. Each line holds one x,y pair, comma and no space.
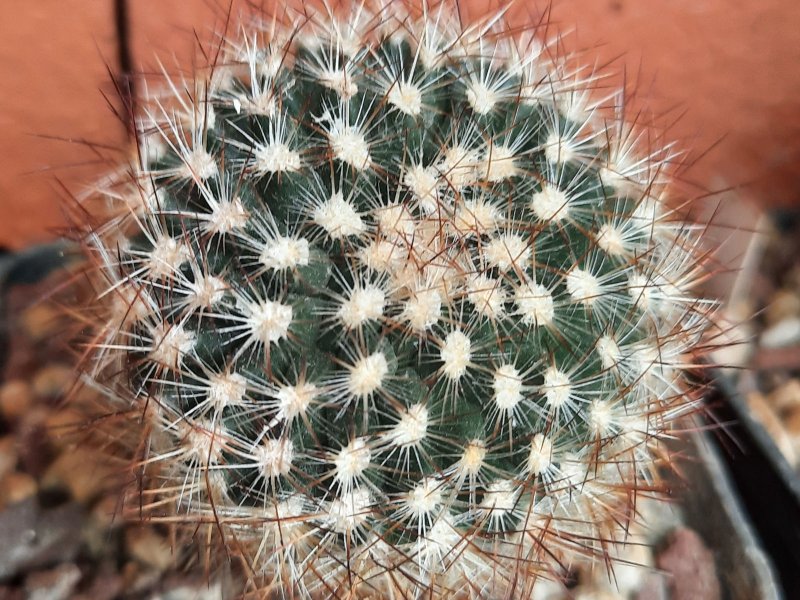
125,79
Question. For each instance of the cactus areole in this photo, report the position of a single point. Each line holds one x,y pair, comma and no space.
399,307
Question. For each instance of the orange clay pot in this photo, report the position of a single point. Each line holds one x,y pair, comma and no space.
723,76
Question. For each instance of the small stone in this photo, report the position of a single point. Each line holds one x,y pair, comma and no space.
16,397
734,335
12,592
149,548
53,380
785,304
141,582
787,396
8,455
107,584
654,587
33,446
40,321
595,593
658,519
16,487
635,565
79,471
130,573
791,422
33,538
792,276
200,591
545,589
106,512
782,334
691,566
55,584
61,425
764,414
100,534
84,395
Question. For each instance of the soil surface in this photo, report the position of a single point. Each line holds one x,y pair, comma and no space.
61,537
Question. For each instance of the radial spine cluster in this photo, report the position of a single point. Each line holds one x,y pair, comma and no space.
400,308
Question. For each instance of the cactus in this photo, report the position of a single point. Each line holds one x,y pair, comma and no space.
397,306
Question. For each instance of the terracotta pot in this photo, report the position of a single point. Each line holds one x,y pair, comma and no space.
725,71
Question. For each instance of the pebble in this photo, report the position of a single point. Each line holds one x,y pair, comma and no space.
787,396
192,592
106,512
11,592
636,563
33,446
16,487
79,471
16,397
130,573
8,455
83,394
658,519
33,537
62,424
545,589
654,587
55,584
782,334
764,414
53,381
691,566
792,423
107,584
733,336
101,532
627,577
138,580
40,320
149,548
792,278
785,304
595,593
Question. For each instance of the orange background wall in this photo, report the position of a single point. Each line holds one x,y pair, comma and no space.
731,68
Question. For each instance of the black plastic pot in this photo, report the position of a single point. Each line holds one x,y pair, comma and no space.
762,484
712,506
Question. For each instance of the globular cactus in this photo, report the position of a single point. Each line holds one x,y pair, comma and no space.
397,305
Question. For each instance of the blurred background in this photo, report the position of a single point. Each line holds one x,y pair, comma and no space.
722,77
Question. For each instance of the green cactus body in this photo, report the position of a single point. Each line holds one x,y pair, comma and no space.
406,315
